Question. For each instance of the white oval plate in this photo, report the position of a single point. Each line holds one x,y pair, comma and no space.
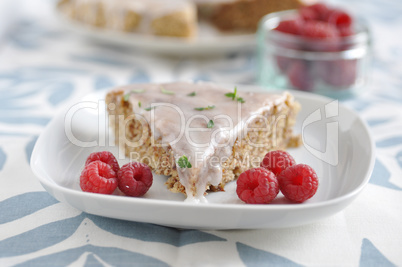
57,162
208,40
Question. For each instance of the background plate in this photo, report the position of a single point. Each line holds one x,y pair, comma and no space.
208,40
343,160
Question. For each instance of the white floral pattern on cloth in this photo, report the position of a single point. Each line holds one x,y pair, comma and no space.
42,68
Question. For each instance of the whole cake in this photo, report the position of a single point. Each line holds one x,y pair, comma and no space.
200,135
176,18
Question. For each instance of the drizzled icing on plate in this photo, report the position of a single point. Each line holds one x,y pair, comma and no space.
200,122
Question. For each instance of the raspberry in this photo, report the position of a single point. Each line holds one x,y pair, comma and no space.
98,177
289,26
319,30
307,13
321,10
299,76
106,157
283,63
345,31
339,18
298,182
277,161
257,186
341,73
135,179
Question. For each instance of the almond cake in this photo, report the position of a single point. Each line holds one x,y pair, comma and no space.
200,135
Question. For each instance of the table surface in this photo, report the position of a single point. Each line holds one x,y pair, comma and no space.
43,68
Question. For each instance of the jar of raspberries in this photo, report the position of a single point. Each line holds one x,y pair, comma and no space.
317,48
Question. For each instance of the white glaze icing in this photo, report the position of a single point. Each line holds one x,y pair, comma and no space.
174,119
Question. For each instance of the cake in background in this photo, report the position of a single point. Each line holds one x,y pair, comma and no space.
240,15
175,18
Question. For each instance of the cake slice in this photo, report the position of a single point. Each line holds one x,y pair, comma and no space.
200,135
240,15
175,18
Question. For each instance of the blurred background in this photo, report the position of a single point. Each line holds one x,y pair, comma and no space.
34,40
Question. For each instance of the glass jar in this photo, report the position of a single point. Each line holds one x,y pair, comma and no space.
334,68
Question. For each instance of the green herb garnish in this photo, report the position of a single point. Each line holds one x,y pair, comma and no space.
126,97
191,94
166,92
241,100
134,91
210,124
183,162
139,104
234,97
150,108
206,108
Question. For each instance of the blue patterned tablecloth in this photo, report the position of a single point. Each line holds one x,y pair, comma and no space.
43,67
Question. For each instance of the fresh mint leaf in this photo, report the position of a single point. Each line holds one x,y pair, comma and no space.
241,100
234,97
166,92
126,97
206,108
231,95
192,94
149,109
235,93
210,124
183,162
134,91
